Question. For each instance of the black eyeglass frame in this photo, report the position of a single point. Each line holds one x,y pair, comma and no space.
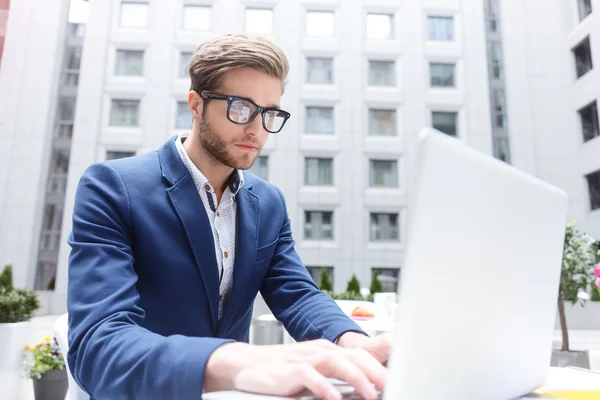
207,94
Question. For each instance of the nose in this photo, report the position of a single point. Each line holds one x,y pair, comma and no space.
255,127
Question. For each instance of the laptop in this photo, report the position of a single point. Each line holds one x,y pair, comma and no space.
479,280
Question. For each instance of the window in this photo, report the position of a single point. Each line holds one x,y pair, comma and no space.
589,121
124,113
445,122
384,227
259,20
319,23
389,278
45,277
585,8
383,173
134,14
319,120
382,73
380,26
51,225
499,108
442,74
129,63
196,18
583,57
318,225
115,155
66,109
73,61
594,188
441,28
318,171
382,122
319,70
184,64
64,130
496,60
260,167
183,119
315,274
494,15
501,148
59,169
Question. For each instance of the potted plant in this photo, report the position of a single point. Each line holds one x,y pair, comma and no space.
45,365
576,276
325,281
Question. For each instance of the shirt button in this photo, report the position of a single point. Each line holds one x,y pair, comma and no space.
226,254
218,214
207,187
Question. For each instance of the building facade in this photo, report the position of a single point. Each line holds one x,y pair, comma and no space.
365,78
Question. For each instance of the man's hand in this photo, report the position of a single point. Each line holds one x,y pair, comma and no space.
285,370
379,346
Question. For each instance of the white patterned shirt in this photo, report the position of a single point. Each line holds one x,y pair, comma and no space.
222,217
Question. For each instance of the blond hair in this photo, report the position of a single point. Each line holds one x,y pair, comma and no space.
220,54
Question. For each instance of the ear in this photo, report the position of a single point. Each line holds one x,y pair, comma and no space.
196,103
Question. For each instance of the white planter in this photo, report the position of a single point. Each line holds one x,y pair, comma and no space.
581,318
12,340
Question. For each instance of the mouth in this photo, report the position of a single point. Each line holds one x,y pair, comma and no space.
248,147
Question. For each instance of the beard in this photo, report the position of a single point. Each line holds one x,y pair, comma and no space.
217,149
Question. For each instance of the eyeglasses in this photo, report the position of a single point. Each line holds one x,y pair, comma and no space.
242,111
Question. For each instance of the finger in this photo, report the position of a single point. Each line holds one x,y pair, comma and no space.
317,383
337,364
381,348
376,372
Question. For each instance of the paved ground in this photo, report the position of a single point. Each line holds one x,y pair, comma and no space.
43,326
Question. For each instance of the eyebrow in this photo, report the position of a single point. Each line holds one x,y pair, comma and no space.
252,100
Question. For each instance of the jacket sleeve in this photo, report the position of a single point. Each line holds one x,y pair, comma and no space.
110,355
288,289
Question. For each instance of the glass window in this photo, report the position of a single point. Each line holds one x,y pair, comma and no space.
319,120
442,75
499,108
319,70
585,8
260,167
125,113
380,26
196,18
382,122
66,110
594,189
318,171
382,73
389,278
115,155
183,119
589,121
184,64
315,274
319,23
133,15
259,20
129,63
384,227
45,277
441,28
318,225
583,58
383,173
445,122
496,59
501,148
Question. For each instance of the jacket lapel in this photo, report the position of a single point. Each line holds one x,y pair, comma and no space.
190,210
245,253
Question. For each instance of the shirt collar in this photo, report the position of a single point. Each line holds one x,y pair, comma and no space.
234,183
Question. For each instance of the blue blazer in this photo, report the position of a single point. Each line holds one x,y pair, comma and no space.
143,281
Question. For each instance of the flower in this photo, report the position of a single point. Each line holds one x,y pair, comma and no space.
47,338
45,356
598,282
597,271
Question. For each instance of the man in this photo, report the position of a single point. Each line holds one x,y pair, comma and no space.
170,248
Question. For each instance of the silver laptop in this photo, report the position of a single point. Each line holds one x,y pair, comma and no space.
479,280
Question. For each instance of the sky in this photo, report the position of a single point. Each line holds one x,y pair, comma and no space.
78,12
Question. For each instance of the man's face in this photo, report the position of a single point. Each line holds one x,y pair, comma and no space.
237,146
